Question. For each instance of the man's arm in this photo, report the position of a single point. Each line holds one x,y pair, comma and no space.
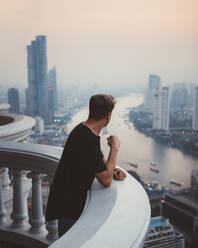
118,173
105,177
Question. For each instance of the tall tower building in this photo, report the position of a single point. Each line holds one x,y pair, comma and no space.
180,95
156,108
36,93
13,100
154,81
194,183
52,84
195,109
51,104
161,109
191,94
165,109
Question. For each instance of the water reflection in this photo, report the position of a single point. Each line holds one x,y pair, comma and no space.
158,151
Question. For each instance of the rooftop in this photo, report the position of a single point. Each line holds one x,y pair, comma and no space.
187,199
4,120
158,221
16,127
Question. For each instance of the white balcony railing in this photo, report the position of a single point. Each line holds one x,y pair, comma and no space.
117,216
17,130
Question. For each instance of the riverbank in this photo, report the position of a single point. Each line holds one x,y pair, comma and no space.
184,139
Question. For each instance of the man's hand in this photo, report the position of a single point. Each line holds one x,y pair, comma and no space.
119,174
113,142
105,177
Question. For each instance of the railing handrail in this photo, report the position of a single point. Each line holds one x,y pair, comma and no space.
21,123
33,157
111,218
117,216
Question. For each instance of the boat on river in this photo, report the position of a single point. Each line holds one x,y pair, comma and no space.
175,183
134,165
154,169
153,163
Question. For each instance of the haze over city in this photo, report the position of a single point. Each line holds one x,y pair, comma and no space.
108,42
56,59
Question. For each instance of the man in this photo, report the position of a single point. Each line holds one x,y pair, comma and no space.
82,161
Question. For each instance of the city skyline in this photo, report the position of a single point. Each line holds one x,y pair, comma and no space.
111,44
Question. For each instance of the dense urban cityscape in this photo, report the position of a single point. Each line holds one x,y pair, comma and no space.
168,115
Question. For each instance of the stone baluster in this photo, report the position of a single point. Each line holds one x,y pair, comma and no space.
37,220
18,214
3,212
5,177
52,227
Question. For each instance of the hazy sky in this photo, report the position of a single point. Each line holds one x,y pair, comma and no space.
106,41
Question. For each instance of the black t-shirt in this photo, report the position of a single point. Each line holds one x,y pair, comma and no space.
80,161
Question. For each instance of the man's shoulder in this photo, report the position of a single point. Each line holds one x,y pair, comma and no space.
83,133
78,129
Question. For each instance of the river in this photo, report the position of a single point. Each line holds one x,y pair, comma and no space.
138,148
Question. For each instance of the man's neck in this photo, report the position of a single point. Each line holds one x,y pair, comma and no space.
94,126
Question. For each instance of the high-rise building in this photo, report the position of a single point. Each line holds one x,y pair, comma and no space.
36,93
39,128
51,103
161,108
194,183
52,84
195,110
165,109
13,100
154,81
181,207
156,108
179,95
162,234
190,94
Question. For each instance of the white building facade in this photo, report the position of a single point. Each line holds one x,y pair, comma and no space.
39,128
161,108
154,81
156,109
195,110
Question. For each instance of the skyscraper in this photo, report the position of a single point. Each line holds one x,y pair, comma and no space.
39,128
194,183
156,108
36,93
165,110
195,110
190,94
13,100
52,84
180,95
154,81
51,103
161,109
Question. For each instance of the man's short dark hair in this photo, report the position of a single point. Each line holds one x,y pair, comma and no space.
100,106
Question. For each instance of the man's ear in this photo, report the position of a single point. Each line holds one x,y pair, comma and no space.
109,116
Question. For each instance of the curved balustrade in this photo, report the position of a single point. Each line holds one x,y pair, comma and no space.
117,216
17,130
